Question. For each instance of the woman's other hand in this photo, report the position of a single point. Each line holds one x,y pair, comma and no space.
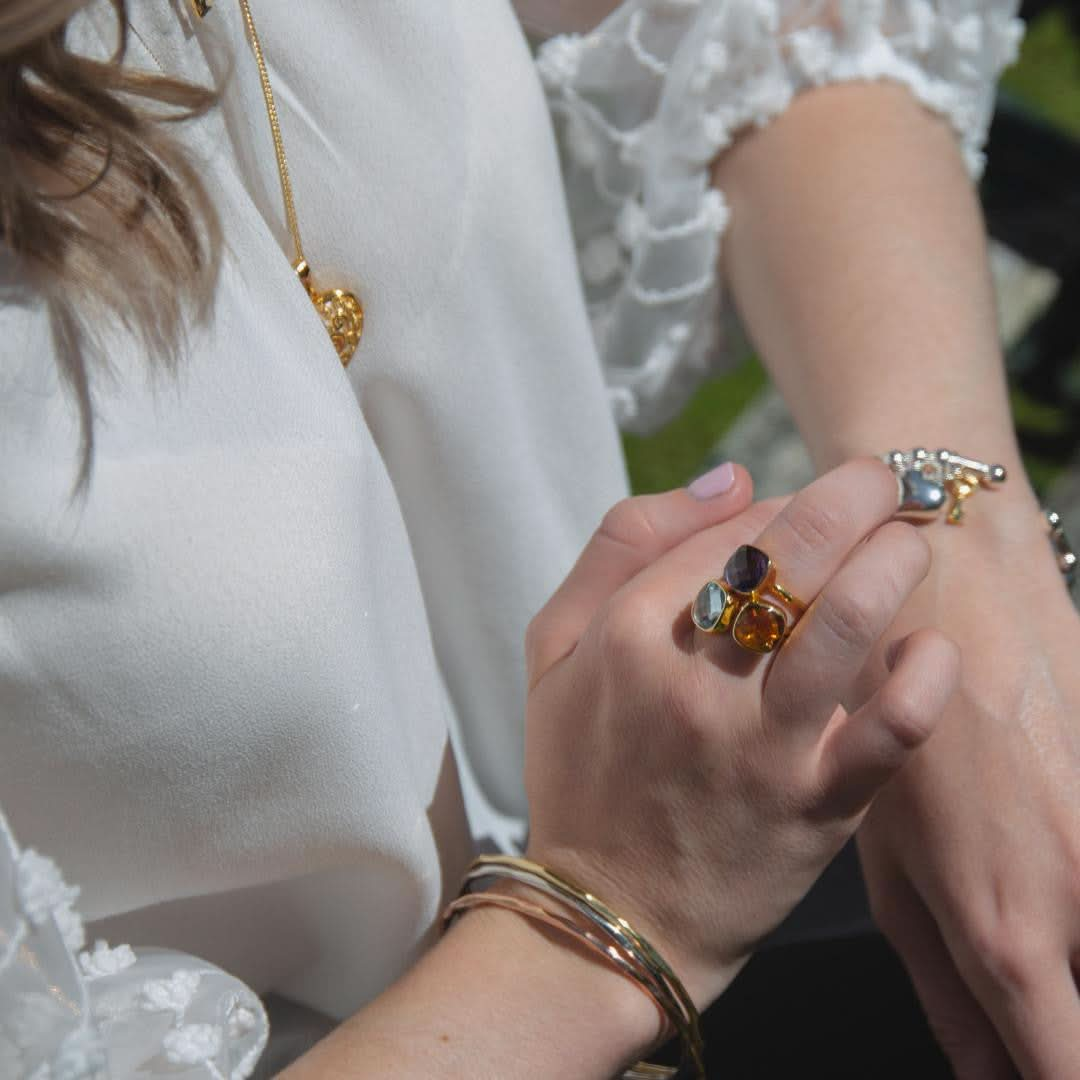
696,787
972,855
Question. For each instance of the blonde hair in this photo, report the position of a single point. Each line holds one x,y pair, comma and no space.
100,205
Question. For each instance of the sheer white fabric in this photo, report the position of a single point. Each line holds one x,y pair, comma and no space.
645,102
109,1013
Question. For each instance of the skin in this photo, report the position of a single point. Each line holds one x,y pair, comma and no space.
972,854
695,787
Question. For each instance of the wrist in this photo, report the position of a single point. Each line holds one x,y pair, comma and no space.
492,997
554,994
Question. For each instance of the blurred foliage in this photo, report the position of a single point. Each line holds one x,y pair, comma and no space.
1047,76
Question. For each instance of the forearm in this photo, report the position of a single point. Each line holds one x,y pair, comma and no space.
857,259
494,998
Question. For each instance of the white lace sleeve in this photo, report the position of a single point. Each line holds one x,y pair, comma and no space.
109,1013
643,104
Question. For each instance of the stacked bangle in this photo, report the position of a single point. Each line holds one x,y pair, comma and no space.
595,926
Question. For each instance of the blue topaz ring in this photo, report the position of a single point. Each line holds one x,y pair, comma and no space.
748,602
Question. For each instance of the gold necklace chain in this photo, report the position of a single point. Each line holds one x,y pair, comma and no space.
340,310
275,131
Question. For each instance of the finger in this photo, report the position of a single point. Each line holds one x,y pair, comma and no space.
861,751
958,1022
810,539
633,534
834,640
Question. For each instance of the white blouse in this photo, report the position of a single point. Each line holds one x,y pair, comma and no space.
257,680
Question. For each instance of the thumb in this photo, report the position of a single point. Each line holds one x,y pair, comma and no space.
633,534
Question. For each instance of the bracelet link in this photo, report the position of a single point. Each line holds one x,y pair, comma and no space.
1066,557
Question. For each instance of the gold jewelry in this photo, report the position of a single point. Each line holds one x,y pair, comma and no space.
606,922
341,312
562,923
748,602
667,988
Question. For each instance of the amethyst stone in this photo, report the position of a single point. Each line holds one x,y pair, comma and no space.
746,569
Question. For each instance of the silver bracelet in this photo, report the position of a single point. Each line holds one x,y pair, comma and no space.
1066,557
927,481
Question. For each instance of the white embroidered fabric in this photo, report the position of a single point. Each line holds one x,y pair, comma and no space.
644,102
107,1013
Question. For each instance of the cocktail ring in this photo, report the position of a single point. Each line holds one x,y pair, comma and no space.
749,602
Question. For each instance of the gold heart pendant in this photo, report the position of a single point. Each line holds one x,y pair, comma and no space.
341,312
343,316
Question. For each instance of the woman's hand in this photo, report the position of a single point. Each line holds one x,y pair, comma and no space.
972,855
695,787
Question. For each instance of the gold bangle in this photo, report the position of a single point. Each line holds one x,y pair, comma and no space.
567,926
671,994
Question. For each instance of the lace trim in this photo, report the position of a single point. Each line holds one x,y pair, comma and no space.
644,103
61,1021
46,923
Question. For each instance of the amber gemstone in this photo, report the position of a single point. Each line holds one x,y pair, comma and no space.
759,627
746,569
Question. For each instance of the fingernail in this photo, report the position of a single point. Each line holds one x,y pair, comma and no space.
716,481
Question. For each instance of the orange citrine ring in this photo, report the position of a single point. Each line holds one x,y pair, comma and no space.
748,602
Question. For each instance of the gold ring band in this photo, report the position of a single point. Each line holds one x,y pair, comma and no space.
748,602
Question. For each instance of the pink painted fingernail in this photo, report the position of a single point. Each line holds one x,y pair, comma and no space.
716,481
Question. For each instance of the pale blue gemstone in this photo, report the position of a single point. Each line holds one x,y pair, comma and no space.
709,606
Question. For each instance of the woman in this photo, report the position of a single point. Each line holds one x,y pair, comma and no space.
264,493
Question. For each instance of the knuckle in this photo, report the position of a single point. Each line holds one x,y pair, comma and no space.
850,618
903,715
1006,948
811,525
628,524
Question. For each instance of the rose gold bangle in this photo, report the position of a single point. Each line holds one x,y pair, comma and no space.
594,944
673,996
611,953
615,937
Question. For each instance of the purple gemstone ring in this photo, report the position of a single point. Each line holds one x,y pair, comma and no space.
748,602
